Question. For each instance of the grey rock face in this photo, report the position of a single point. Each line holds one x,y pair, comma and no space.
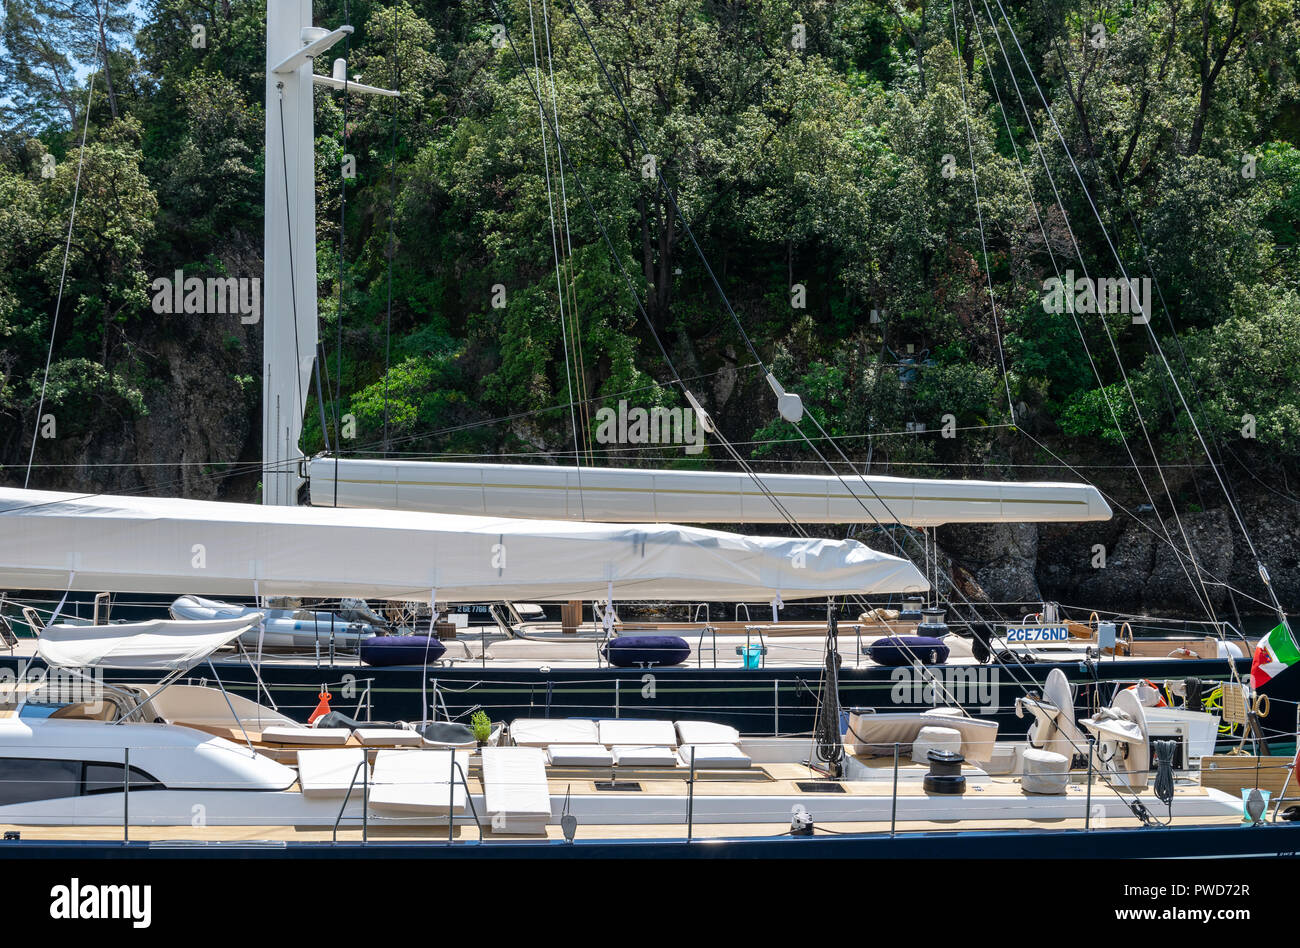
1002,557
1136,566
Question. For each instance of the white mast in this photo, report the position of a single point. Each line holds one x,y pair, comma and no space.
289,259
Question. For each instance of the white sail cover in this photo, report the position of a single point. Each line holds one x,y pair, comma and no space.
157,644
54,540
631,495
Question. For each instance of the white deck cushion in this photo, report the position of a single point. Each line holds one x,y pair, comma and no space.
370,736
715,756
633,755
874,735
515,794
580,755
631,731
935,738
306,735
331,770
1044,762
706,732
417,766
538,732
470,746
417,782
1044,771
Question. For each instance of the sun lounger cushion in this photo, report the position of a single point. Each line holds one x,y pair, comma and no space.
417,782
464,745
627,755
331,770
371,736
306,735
515,793
417,766
580,755
706,732
715,757
632,731
538,732
448,734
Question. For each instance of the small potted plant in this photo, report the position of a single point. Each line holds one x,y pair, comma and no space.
481,725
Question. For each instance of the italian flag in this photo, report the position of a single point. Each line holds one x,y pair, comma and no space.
1275,651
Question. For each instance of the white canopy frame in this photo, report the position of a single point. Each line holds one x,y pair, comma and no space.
174,645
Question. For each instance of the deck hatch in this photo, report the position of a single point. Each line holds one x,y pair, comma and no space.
819,786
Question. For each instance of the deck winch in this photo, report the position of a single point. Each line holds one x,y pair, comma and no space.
945,774
932,624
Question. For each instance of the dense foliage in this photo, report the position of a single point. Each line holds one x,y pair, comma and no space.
821,152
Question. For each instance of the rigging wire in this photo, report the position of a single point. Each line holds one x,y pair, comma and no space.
555,248
663,184
1079,254
336,399
515,416
979,216
1219,448
672,202
570,279
1202,593
1033,203
390,248
293,277
799,529
686,226
1155,342
67,250
670,198
582,190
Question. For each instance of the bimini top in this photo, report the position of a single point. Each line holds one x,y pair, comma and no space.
161,545
163,644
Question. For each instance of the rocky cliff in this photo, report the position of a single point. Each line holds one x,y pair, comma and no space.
1135,562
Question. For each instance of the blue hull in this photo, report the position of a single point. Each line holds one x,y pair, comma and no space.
761,701
1271,840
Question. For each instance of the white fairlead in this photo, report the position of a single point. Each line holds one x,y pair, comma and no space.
788,404
261,628
706,420
609,611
